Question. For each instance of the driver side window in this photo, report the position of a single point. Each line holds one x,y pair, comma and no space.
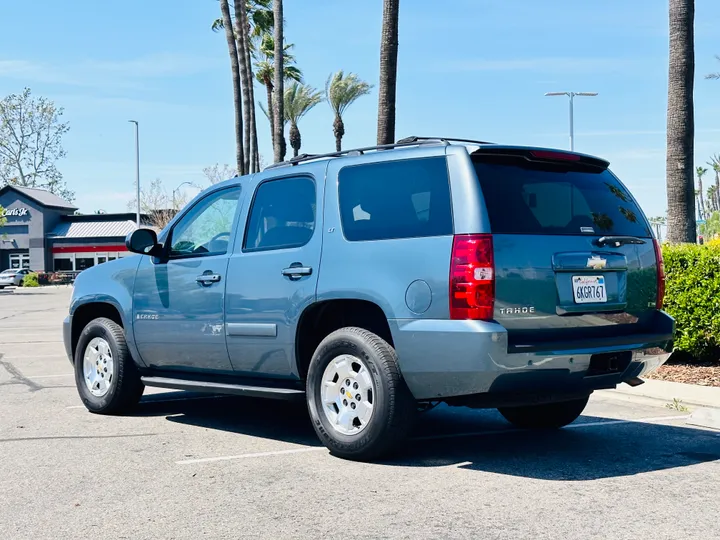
207,228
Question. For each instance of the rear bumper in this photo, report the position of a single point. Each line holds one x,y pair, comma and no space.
442,359
67,337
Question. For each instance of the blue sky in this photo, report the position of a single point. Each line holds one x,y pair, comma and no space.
475,68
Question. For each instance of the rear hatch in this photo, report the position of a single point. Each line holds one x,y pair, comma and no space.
575,259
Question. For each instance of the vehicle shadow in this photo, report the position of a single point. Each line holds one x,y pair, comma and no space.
592,448
264,418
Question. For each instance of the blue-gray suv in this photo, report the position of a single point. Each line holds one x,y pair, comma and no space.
374,283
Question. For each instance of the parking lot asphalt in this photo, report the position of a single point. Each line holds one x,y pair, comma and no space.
197,466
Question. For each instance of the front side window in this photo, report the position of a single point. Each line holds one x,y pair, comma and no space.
282,215
207,227
395,199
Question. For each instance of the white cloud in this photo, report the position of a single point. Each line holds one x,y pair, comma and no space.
127,73
545,65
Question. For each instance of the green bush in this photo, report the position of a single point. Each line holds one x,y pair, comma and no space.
693,298
31,280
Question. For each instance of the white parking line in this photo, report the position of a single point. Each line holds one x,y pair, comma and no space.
254,455
428,438
50,376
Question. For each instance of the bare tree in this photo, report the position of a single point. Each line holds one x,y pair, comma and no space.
158,205
219,173
31,143
681,124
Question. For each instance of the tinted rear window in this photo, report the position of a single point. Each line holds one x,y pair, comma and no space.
530,198
395,199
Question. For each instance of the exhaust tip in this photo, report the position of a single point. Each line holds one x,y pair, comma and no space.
634,381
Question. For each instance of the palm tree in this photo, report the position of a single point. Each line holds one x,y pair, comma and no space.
681,123
387,93
237,85
299,99
278,110
701,171
712,198
265,72
715,76
341,91
715,164
242,35
252,19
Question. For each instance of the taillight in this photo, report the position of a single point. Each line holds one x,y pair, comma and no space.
472,277
660,274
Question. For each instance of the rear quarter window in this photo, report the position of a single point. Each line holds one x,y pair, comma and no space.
547,199
395,199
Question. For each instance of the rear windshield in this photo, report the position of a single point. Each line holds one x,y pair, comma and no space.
536,198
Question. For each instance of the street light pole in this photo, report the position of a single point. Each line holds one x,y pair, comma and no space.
137,169
176,190
572,95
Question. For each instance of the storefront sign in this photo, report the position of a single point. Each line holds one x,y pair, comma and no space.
15,212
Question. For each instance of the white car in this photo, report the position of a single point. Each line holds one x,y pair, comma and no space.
13,277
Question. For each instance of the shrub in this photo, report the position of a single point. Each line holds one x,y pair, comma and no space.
31,280
693,297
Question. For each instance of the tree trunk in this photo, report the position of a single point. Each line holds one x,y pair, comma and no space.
339,131
237,91
271,110
241,37
295,139
388,73
717,190
702,197
255,161
681,124
279,81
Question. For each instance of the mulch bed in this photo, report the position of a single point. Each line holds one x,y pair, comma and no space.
702,373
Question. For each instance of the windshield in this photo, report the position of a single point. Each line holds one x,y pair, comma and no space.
523,197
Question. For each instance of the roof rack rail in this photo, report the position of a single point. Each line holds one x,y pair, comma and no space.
441,139
407,141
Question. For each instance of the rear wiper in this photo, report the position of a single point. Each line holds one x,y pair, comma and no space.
618,241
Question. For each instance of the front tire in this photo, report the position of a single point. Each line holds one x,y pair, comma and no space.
547,416
106,376
359,404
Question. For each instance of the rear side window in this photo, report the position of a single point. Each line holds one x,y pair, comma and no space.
531,198
282,215
395,199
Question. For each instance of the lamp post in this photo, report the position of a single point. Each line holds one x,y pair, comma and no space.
137,168
176,190
572,95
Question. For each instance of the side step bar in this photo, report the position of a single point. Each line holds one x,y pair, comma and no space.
224,388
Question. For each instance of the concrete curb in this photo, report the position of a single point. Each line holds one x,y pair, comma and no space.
665,391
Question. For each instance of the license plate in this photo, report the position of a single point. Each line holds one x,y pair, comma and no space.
589,289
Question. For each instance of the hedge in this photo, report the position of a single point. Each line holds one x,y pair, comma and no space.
31,280
692,297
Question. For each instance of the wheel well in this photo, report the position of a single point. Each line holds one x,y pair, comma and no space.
323,318
86,313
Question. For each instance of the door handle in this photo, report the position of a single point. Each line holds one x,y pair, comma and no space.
207,279
296,271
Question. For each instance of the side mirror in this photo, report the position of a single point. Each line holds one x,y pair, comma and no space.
142,241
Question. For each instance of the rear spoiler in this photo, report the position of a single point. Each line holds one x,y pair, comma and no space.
541,155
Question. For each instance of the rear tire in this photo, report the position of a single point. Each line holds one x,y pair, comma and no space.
382,416
548,416
106,376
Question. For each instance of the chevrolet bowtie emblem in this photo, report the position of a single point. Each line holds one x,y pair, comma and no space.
596,263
